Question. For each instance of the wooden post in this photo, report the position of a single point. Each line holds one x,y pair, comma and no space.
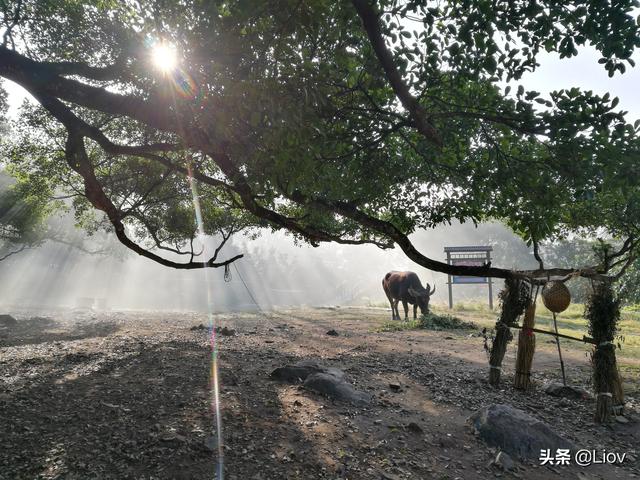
449,282
555,326
603,313
514,299
490,283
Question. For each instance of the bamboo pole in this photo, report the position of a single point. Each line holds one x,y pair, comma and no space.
555,325
584,338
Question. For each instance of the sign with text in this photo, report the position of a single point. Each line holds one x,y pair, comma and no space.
468,262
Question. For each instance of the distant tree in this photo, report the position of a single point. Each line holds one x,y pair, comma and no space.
630,284
30,216
23,212
351,122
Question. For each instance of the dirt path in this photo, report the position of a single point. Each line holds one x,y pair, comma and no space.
126,395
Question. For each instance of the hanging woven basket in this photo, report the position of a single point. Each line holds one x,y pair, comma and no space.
556,296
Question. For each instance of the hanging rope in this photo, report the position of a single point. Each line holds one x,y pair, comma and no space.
227,273
248,289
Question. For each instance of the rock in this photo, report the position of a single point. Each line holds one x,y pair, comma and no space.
7,321
332,333
198,327
413,427
447,442
394,387
567,391
388,476
211,443
225,331
300,371
621,419
337,388
515,432
504,461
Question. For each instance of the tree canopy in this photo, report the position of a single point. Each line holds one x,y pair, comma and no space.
351,122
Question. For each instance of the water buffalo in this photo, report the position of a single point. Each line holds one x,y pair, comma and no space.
405,287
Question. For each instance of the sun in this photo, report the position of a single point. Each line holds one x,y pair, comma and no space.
164,57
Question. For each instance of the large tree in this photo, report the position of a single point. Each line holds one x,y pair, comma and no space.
351,122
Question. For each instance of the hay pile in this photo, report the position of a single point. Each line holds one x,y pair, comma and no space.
526,349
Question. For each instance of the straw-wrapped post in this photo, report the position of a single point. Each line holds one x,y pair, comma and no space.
603,312
514,298
526,349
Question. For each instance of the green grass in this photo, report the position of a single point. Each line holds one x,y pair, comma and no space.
430,321
570,322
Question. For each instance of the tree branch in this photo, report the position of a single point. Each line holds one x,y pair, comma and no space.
372,27
536,253
22,247
78,161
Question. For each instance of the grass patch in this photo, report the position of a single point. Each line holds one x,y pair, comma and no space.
570,322
433,321
430,321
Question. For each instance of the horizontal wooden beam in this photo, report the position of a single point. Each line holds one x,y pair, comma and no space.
584,338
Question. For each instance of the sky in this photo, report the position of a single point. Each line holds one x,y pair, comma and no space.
584,71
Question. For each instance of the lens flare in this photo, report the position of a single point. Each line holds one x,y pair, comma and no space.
215,382
164,57
184,84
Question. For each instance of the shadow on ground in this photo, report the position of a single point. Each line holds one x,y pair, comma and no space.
136,403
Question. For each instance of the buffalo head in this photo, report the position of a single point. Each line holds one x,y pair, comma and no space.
422,297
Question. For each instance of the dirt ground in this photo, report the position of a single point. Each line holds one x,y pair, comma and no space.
118,395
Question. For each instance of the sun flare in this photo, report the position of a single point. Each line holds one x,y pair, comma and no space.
164,57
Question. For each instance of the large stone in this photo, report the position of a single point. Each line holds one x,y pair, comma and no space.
299,372
225,331
567,391
7,321
504,461
336,388
516,432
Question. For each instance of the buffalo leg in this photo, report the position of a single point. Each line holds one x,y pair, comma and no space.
415,311
394,308
396,311
394,305
405,305
393,311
